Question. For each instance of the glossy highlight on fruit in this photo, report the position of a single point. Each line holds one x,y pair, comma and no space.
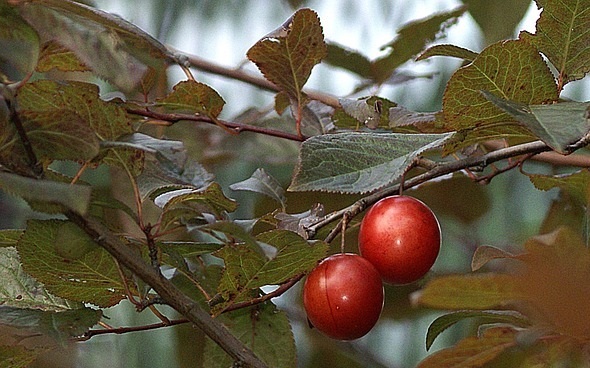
401,237
343,296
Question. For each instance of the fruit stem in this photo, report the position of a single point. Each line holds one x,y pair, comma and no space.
344,223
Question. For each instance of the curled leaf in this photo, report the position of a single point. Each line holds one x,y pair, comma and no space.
484,317
262,182
486,253
473,351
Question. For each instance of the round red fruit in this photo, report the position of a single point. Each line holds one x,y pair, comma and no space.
401,237
343,296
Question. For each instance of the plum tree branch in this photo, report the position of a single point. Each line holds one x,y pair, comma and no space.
167,291
234,126
122,330
481,161
258,81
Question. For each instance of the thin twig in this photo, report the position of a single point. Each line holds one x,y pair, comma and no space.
34,164
234,126
551,157
122,330
273,294
497,171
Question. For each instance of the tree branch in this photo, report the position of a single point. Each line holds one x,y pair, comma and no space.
121,330
273,294
553,158
236,127
241,75
167,291
437,171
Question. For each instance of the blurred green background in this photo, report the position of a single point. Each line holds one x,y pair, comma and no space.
503,213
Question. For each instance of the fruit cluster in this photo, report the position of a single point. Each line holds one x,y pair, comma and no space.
399,240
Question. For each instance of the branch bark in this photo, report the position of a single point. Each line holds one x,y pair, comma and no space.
359,206
234,126
167,291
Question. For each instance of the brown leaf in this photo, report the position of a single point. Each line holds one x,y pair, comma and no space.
287,55
554,282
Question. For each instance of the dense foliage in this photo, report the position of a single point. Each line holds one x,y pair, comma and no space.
168,236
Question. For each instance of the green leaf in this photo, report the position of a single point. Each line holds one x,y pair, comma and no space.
485,253
19,44
264,329
93,278
168,152
565,210
484,317
512,70
55,56
71,243
193,97
234,231
163,164
113,48
72,196
353,61
473,351
246,269
298,222
551,127
316,119
20,290
18,356
167,168
576,184
203,199
9,237
411,40
399,116
562,35
262,182
558,125
188,248
183,205
286,56
447,50
59,325
60,135
108,120
358,162
479,291
497,19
